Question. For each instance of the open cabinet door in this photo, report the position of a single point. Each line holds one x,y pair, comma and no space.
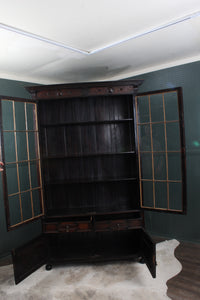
148,253
22,181
161,150
29,257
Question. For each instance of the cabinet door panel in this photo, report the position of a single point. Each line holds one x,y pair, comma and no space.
19,151
148,251
161,150
29,257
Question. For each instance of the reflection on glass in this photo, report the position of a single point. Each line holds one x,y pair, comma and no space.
173,136
21,146
9,147
160,166
175,195
146,165
24,177
34,175
7,114
14,207
143,108
161,194
20,116
171,106
12,182
147,193
26,206
158,135
32,145
156,108
174,166
30,111
145,137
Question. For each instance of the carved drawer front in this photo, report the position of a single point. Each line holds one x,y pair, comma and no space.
67,227
84,92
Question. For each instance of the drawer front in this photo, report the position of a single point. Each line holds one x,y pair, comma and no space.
116,225
84,226
111,225
63,227
135,223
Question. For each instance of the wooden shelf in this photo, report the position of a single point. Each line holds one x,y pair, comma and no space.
71,213
82,155
88,123
80,181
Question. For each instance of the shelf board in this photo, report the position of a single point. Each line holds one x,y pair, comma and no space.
88,122
82,155
78,181
68,214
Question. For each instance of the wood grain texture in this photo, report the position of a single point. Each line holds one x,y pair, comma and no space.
186,285
84,89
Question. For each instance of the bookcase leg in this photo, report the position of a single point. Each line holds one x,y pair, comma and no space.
48,267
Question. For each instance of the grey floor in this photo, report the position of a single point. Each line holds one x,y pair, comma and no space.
5,261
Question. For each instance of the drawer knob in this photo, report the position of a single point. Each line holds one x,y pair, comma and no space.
115,227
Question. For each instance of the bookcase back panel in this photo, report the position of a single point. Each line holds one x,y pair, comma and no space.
95,168
82,198
89,157
85,139
86,109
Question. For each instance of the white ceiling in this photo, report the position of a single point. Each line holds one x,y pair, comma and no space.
46,41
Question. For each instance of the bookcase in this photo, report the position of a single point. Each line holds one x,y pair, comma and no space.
90,178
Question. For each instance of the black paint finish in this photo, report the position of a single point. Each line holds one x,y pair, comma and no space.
90,177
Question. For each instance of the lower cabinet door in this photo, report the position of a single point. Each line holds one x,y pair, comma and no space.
148,252
30,257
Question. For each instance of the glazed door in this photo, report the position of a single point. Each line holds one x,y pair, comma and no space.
161,150
22,182
148,253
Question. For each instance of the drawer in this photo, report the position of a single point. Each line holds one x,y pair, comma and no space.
135,223
63,227
111,225
84,226
115,225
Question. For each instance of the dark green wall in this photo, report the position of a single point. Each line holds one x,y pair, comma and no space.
14,238
187,76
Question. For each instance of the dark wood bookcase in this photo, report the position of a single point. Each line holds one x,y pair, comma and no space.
90,174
